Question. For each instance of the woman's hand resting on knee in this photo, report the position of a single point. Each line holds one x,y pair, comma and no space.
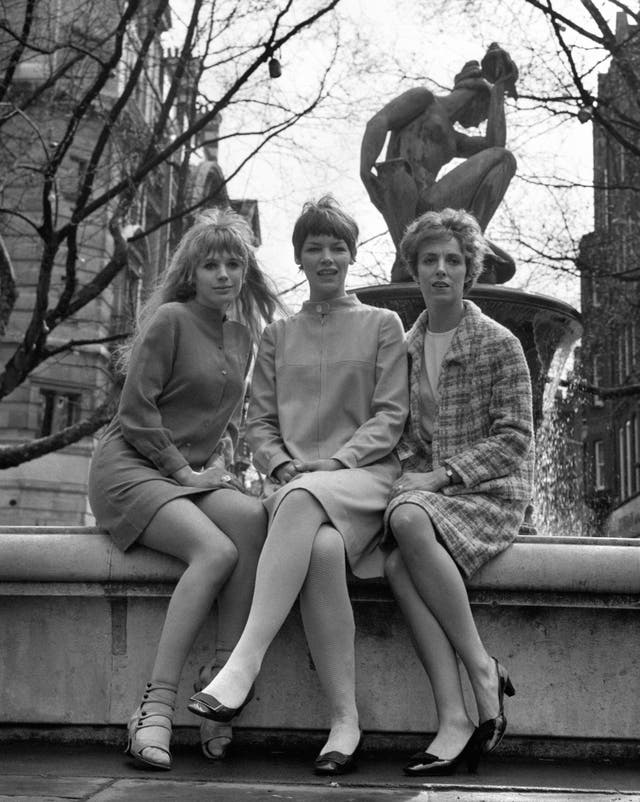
289,470
320,465
208,478
432,481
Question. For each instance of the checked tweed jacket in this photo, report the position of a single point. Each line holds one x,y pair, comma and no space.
483,430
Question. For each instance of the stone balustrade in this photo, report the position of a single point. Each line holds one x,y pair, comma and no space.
79,622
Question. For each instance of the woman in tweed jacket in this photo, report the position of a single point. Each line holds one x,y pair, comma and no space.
467,473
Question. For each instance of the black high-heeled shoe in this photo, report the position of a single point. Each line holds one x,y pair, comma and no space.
207,706
331,763
491,731
424,764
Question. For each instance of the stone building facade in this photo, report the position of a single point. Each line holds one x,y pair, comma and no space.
52,489
610,293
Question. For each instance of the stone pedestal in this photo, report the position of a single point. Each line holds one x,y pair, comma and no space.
79,623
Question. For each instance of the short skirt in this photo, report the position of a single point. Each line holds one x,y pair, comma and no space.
473,527
126,490
354,500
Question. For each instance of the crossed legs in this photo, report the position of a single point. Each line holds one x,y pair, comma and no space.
301,551
432,595
219,563
327,616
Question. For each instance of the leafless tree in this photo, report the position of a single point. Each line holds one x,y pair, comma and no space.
106,106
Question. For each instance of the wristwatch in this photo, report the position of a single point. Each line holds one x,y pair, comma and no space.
450,475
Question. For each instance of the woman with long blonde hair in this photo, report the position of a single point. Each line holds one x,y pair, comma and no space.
161,475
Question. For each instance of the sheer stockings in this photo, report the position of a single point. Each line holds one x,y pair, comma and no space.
330,629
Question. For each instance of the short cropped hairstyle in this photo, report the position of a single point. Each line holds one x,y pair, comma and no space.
448,223
324,216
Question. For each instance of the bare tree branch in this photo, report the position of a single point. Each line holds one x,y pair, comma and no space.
13,455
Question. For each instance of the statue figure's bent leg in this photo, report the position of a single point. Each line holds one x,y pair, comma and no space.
477,185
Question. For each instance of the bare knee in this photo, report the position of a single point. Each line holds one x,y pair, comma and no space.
219,556
406,519
412,528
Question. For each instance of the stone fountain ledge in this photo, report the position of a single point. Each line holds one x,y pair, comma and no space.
79,622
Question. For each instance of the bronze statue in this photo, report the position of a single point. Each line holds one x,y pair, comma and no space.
423,139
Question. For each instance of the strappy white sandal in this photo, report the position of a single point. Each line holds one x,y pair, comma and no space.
150,725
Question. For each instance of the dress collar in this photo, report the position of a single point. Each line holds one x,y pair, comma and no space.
336,304
206,313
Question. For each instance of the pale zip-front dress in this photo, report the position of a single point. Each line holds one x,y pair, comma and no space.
331,382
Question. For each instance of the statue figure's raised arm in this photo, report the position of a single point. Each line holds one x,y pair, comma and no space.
424,138
394,116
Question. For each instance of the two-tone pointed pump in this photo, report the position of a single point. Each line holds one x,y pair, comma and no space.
332,763
492,731
207,706
424,764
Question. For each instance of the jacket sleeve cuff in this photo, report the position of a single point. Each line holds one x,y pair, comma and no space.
169,460
455,466
275,461
346,457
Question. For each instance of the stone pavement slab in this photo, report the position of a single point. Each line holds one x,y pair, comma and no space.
152,790
47,788
168,791
41,772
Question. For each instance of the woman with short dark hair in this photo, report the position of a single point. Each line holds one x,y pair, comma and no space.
328,405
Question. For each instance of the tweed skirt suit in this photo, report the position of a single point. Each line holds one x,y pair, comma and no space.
482,429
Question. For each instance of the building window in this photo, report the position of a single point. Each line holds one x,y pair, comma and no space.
598,465
628,350
636,443
624,252
604,189
622,463
621,350
71,177
58,409
629,460
595,372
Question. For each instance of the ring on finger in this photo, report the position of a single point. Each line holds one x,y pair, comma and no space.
225,477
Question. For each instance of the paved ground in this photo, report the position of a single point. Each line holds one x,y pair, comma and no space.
52,773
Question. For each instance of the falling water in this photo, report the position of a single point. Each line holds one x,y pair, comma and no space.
559,505
548,330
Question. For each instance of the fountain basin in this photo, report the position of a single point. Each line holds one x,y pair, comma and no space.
81,621
545,326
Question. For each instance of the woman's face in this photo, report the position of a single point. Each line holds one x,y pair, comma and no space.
218,280
442,270
325,260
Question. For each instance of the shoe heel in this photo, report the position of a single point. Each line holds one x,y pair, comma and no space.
508,688
473,755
